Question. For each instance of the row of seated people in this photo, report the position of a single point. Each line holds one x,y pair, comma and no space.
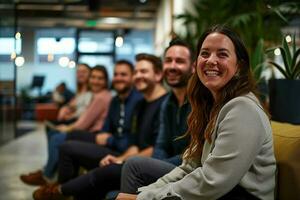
227,137
131,126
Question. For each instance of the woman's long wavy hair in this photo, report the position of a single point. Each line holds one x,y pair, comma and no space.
205,109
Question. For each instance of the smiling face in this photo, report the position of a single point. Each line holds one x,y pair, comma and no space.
177,66
217,62
145,77
122,80
97,81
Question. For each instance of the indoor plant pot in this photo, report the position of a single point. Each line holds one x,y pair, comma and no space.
284,94
284,97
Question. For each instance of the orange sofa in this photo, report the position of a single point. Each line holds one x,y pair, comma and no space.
46,111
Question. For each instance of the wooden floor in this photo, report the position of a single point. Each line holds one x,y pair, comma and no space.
22,155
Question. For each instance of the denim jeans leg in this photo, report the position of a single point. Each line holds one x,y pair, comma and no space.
54,143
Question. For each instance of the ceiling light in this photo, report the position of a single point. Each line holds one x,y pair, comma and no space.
119,41
19,61
277,52
18,36
63,61
13,55
112,20
50,57
72,64
288,38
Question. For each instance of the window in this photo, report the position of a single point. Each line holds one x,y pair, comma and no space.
50,49
95,42
96,47
52,44
55,46
135,42
7,47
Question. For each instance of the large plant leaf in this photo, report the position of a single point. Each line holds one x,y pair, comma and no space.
257,71
280,15
242,19
294,66
285,61
297,72
257,60
288,8
248,19
287,53
294,44
281,69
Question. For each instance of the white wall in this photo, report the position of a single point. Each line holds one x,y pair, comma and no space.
163,26
166,25
179,7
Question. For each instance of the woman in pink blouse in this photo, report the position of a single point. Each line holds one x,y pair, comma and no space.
92,119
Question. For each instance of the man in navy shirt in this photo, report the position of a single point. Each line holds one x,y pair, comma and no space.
145,124
116,128
141,171
114,136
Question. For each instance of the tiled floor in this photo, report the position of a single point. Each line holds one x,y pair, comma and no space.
23,154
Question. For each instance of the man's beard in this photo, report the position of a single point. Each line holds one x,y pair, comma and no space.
183,79
123,90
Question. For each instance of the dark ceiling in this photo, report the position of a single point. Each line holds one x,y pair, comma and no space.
102,14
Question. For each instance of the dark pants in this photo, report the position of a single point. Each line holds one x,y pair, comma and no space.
73,154
142,171
59,122
95,184
83,136
238,193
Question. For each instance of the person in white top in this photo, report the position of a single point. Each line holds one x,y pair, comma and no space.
83,96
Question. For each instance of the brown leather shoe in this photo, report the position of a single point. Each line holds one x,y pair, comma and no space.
48,192
34,178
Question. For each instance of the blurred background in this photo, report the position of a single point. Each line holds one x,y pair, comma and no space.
41,41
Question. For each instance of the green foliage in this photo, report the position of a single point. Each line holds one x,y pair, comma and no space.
290,57
257,59
253,20
286,10
248,19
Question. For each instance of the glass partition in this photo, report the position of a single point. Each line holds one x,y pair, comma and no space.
9,49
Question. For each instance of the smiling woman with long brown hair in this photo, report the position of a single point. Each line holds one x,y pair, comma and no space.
231,151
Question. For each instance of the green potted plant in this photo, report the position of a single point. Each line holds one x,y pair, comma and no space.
284,93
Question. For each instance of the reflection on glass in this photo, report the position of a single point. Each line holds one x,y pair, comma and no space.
7,46
135,42
95,42
54,46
